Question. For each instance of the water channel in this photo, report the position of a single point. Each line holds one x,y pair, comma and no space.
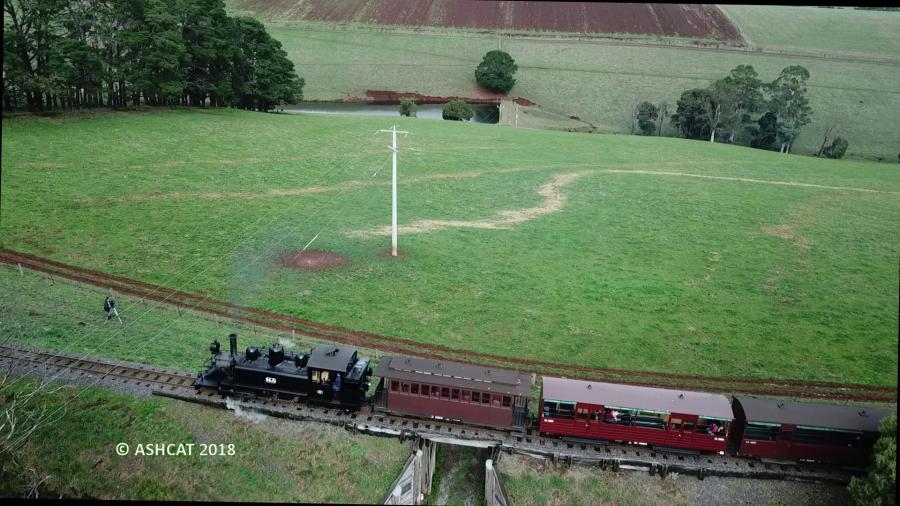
484,113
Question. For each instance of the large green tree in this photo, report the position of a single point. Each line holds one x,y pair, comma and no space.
31,50
789,103
496,71
737,96
647,115
89,53
457,110
692,113
266,77
880,486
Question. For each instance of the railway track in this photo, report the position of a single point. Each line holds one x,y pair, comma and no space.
156,378
179,385
291,324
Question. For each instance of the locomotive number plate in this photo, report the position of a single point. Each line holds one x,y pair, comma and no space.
271,380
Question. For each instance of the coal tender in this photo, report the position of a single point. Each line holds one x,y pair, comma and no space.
331,374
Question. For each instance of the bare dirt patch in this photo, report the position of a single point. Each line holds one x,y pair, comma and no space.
783,231
40,165
311,260
387,254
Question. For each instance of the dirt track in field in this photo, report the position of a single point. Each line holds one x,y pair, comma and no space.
357,184
287,323
553,202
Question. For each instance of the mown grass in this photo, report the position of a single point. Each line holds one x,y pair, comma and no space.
818,31
648,271
598,81
274,460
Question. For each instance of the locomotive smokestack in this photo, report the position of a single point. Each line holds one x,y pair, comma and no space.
232,339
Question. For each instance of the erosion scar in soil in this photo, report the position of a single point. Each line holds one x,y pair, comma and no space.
311,260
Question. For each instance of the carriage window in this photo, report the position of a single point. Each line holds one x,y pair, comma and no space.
414,389
485,398
435,391
325,376
404,387
617,416
495,401
710,427
507,401
395,385
476,397
466,396
454,394
553,409
445,393
760,432
650,420
423,390
785,435
811,435
688,426
582,413
315,376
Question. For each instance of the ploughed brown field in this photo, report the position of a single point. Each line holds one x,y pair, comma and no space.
679,20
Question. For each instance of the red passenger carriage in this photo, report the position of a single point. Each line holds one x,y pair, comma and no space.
777,429
447,390
654,416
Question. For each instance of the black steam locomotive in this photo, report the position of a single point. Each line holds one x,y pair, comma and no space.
331,375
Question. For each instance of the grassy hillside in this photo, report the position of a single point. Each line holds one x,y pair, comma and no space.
272,460
603,250
818,31
530,482
592,80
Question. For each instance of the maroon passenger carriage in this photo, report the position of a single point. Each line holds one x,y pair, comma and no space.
785,430
477,395
589,410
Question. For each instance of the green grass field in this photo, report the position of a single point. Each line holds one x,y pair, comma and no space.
532,482
597,81
817,31
641,253
271,460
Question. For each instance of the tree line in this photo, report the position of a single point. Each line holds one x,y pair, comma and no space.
741,108
66,54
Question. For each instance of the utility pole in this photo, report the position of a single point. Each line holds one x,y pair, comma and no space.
393,149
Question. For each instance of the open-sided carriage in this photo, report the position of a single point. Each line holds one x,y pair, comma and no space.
586,410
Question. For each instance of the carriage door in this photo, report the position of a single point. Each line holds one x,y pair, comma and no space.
586,416
583,416
786,435
520,411
688,426
682,426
